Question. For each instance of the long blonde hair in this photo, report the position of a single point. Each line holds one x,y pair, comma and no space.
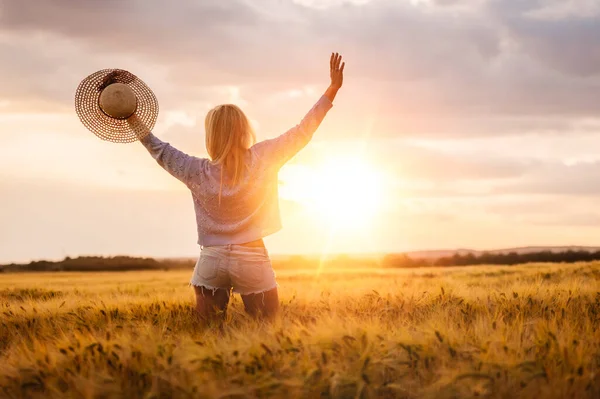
229,135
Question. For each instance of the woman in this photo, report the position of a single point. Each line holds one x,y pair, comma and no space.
236,201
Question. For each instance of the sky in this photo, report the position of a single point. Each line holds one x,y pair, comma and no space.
477,119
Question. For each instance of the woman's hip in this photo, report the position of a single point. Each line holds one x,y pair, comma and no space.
247,269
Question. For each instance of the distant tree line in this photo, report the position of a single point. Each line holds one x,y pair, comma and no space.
91,263
127,263
489,258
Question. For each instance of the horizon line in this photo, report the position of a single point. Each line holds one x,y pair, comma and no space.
311,254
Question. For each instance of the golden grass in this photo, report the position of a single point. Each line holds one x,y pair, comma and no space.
524,331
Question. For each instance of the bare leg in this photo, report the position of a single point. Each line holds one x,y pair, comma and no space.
211,305
265,304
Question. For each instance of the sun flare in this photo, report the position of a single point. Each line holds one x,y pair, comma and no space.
343,192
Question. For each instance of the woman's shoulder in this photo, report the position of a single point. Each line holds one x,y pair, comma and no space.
258,153
262,150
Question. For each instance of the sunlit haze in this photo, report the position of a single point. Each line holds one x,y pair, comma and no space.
461,124
341,192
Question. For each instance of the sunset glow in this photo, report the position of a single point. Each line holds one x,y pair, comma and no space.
343,192
461,124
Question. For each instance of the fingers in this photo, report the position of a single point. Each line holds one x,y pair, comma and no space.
334,61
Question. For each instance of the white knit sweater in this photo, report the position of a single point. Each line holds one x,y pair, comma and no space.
249,210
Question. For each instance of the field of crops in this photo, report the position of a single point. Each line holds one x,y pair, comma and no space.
524,331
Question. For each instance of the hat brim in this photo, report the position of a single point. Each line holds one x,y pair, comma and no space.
108,128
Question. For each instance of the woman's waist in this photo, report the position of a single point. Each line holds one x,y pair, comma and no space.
251,244
246,236
247,249
254,244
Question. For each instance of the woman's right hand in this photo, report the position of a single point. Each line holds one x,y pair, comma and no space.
138,127
336,70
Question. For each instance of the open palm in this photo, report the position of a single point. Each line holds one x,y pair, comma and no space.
336,70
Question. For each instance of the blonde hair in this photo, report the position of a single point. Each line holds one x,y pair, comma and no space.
229,135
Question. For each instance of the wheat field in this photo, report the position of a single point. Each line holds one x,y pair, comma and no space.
527,331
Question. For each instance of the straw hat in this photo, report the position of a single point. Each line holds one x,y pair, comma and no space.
105,99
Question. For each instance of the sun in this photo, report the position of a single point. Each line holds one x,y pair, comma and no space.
343,192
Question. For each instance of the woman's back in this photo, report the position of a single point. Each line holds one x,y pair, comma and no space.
248,209
236,213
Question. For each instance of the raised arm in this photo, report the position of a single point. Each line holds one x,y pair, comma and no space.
281,149
177,163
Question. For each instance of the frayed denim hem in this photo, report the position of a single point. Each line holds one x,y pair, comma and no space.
257,292
207,287
214,289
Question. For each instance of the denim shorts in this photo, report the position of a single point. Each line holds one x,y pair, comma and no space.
247,270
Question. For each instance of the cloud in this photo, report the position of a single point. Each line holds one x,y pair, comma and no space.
542,210
444,68
561,34
419,163
554,178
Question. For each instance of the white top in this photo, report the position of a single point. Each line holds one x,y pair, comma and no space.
250,209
